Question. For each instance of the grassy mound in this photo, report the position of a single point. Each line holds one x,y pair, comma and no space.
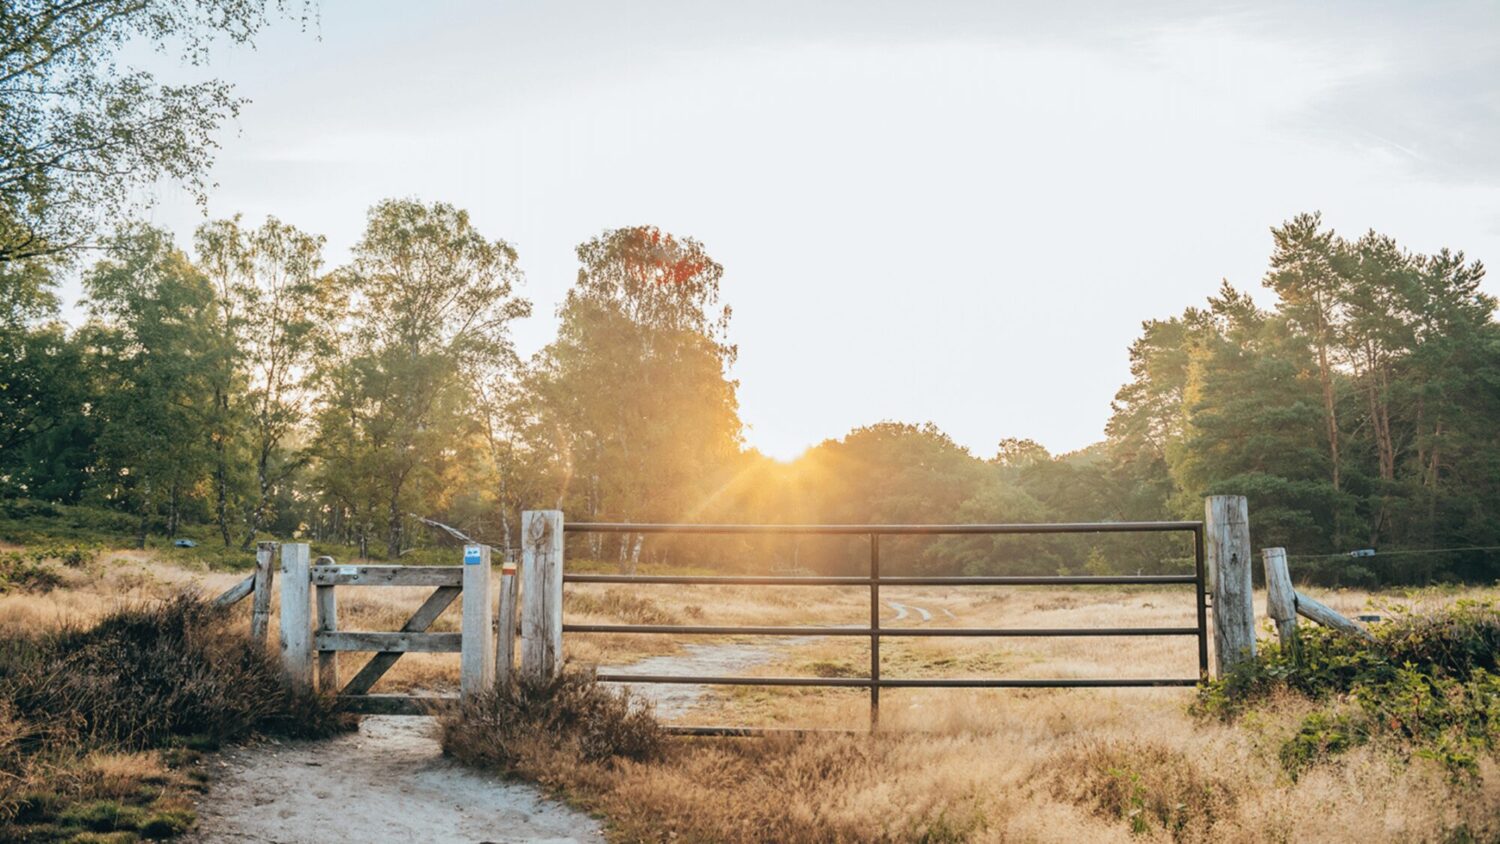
101,728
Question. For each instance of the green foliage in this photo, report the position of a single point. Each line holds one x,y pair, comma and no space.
26,573
438,300
248,390
103,816
633,398
82,131
1427,685
1320,736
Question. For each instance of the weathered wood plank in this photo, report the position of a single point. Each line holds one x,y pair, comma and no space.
1227,542
1281,596
296,614
505,639
476,659
429,643
328,661
388,575
236,593
541,593
420,620
396,704
1327,616
265,576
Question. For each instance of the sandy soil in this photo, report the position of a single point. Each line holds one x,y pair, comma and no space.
387,782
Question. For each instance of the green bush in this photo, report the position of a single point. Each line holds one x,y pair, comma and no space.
1428,684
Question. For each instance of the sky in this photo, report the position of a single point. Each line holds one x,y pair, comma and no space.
956,212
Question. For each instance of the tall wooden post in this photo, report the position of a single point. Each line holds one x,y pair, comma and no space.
326,601
505,639
541,594
296,613
265,576
1281,597
477,646
1227,531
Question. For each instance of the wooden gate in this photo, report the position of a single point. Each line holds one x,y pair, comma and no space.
311,642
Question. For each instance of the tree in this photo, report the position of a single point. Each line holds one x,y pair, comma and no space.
272,301
1304,276
1252,411
152,342
80,133
44,388
635,390
434,300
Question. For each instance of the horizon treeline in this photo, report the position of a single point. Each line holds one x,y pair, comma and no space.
241,385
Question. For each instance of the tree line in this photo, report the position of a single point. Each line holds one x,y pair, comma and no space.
240,384
243,385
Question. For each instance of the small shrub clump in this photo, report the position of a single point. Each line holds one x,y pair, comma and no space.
1428,684
21,572
1150,787
523,725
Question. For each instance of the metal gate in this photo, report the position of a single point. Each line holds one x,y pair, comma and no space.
875,632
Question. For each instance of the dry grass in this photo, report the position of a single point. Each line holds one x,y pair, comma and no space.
949,765
1013,765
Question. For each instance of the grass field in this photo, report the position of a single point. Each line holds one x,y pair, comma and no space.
948,765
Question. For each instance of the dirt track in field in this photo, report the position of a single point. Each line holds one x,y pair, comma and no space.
673,700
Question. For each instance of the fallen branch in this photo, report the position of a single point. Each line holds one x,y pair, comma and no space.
448,529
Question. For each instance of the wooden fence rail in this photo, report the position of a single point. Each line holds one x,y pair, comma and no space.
1284,603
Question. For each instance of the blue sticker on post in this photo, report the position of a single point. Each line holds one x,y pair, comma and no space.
471,555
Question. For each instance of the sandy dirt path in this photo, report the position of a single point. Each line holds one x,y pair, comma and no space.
387,782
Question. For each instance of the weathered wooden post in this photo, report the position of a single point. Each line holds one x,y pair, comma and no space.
1281,597
296,613
1227,534
328,622
505,640
477,646
541,594
265,576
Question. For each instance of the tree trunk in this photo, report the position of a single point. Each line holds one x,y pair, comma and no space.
1331,420
221,493
173,510
1330,411
635,552
140,534
393,534
221,466
263,497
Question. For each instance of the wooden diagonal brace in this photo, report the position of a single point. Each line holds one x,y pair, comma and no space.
418,623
